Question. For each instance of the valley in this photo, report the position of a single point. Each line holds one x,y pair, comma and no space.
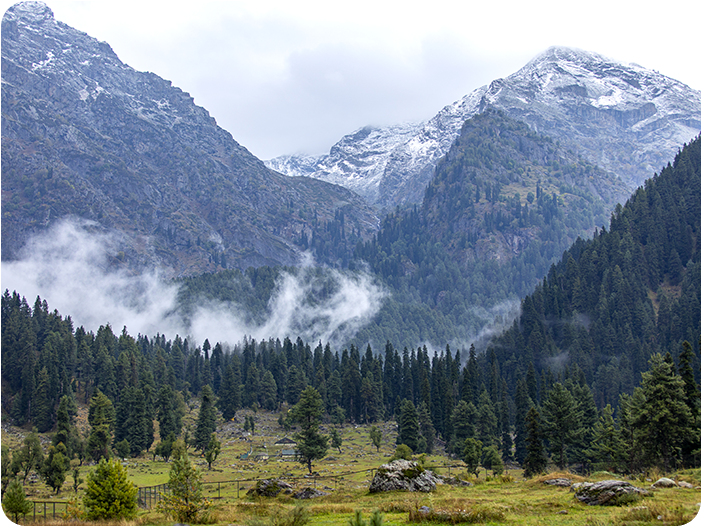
507,293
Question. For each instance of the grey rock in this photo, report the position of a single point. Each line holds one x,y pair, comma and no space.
269,488
403,475
559,482
309,493
608,492
664,483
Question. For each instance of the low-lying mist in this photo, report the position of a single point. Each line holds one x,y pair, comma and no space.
72,267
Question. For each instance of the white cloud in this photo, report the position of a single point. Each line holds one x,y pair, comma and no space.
73,267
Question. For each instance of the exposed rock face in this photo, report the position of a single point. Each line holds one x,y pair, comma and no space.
608,492
85,135
622,117
269,488
403,475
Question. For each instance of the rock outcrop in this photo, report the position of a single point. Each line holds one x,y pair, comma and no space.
608,492
269,488
403,475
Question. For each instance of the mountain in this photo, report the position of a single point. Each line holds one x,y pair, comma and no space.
622,117
613,301
84,135
504,204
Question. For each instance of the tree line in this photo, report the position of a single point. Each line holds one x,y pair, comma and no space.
614,325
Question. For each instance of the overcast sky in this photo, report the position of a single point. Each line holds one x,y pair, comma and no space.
293,77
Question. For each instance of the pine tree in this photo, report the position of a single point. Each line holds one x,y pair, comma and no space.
561,422
206,419
408,425
535,460
336,440
212,451
15,502
308,412
426,428
230,392
55,466
184,501
109,494
662,417
606,446
472,449
167,413
376,437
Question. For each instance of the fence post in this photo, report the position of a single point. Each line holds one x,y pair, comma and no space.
218,489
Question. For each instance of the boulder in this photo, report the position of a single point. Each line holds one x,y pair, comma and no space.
608,492
664,483
685,485
403,475
269,488
455,482
559,482
308,493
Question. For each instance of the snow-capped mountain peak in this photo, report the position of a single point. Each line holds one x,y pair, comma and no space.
623,117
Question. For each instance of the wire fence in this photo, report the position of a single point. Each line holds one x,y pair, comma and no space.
48,509
148,497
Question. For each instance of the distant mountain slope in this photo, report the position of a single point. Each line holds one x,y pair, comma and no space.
85,135
622,117
632,291
505,202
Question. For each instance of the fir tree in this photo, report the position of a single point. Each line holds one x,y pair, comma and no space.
376,437
206,419
408,425
535,460
109,494
562,422
308,412
662,417
15,502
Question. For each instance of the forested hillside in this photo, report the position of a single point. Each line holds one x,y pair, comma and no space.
630,292
503,205
564,381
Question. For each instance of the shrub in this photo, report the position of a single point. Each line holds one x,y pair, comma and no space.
184,501
109,494
402,452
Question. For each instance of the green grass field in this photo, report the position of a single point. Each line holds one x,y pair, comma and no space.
506,500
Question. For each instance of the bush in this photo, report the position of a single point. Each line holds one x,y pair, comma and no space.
402,452
109,494
184,501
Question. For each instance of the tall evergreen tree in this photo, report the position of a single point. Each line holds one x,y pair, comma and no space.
662,416
535,460
206,419
408,425
561,422
308,412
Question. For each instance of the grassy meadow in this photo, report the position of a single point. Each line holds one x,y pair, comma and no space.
502,500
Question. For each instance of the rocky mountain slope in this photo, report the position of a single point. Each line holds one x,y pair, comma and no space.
84,135
625,118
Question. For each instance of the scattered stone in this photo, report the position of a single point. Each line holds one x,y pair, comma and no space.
269,488
559,482
608,492
424,509
664,483
456,482
403,475
562,512
309,493
685,485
